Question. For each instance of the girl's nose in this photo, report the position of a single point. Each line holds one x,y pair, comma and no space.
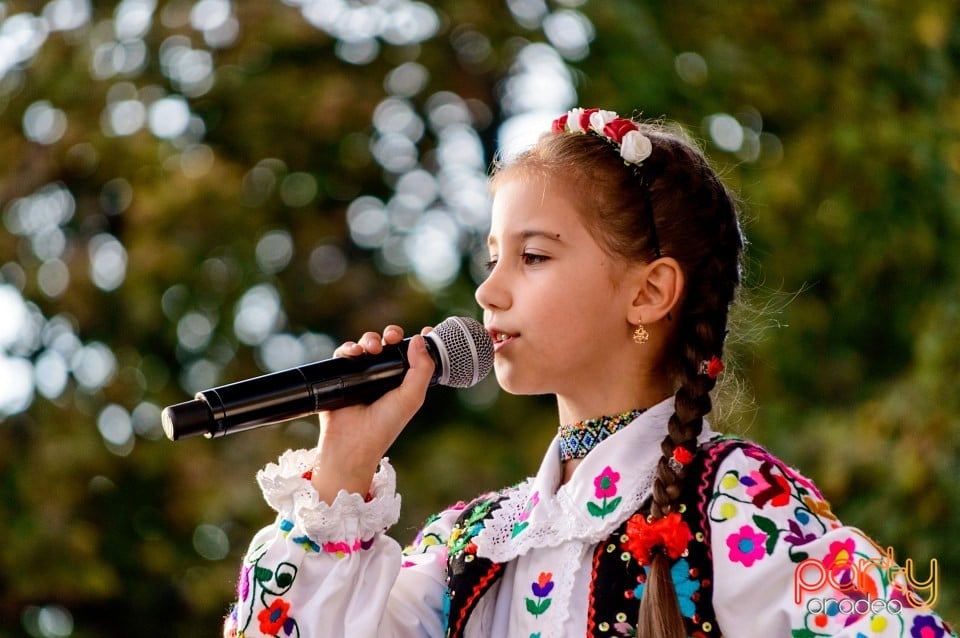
491,294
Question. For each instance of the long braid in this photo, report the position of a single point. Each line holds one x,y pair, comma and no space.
702,323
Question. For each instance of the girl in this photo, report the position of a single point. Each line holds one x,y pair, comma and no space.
615,254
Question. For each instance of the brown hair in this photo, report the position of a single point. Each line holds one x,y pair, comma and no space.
673,205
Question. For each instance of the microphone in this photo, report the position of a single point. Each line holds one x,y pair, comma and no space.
460,347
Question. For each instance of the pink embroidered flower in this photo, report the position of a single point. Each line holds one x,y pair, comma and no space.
528,508
746,546
606,483
839,560
840,554
342,548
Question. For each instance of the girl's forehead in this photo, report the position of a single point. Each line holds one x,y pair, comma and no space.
524,200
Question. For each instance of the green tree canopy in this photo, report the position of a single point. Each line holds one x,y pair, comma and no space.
194,192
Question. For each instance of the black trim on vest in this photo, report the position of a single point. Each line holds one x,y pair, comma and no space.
468,575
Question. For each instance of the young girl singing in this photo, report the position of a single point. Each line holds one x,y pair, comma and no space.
615,254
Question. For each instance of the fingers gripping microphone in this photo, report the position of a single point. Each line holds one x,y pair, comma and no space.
461,349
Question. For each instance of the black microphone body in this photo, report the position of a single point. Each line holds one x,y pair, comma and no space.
460,347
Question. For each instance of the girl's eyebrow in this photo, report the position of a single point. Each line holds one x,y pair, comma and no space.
524,235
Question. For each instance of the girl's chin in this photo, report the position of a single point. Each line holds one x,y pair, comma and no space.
514,383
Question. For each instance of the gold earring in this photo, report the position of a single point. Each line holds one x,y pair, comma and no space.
640,335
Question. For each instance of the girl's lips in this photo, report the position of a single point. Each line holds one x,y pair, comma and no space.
500,339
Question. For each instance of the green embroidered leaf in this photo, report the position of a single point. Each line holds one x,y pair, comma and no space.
768,526
518,527
799,557
594,509
537,607
803,633
771,545
532,606
612,505
262,574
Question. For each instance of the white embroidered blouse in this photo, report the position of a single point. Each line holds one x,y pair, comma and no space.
782,564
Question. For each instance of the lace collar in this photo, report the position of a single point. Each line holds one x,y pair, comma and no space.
609,484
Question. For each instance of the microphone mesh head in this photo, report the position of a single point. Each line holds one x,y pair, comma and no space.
465,349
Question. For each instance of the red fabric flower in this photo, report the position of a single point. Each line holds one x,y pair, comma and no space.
273,617
560,124
669,534
714,367
619,127
585,118
682,455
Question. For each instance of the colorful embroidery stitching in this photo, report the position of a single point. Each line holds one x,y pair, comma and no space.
541,589
605,485
258,584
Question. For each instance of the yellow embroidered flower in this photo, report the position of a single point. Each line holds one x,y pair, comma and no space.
878,623
729,482
728,511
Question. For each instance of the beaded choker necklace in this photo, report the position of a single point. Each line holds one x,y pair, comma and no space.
577,439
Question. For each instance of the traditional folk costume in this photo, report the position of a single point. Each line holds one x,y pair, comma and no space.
762,554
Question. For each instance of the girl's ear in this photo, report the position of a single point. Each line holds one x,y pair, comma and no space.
659,288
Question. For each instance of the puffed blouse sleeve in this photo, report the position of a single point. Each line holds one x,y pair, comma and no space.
331,570
785,566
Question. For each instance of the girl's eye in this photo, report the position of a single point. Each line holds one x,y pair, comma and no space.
532,259
490,264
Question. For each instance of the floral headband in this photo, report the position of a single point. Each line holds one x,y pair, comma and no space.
624,136
622,133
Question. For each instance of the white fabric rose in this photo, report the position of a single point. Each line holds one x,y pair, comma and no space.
635,147
599,119
573,120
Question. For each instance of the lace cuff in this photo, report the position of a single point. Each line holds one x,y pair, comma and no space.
287,489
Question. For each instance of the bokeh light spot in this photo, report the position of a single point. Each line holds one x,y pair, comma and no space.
108,261
274,251
169,117
211,542
44,124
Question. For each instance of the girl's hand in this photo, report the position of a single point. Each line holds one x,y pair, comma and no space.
354,439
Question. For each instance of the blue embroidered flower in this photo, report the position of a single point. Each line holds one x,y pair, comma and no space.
685,587
306,543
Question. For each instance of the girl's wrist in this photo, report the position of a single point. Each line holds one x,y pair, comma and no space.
333,473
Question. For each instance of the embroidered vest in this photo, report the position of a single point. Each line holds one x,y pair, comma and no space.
617,581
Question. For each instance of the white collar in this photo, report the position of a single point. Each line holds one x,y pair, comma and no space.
610,484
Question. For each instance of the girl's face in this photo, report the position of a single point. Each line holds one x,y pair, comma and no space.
555,302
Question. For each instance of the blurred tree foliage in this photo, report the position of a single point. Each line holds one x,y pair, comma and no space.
197,192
